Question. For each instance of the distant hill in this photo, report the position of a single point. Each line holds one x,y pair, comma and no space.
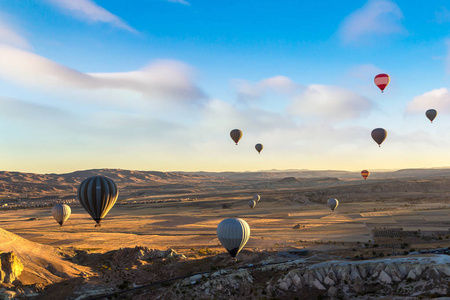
280,174
147,183
17,184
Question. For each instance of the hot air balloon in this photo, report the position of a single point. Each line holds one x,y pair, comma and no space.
61,212
256,198
252,203
259,147
365,174
431,114
236,135
233,234
379,135
333,203
98,195
382,81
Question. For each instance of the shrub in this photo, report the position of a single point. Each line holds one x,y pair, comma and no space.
123,285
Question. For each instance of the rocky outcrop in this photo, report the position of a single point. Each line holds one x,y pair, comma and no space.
413,277
396,276
143,254
11,267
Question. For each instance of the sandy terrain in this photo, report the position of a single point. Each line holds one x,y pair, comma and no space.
192,224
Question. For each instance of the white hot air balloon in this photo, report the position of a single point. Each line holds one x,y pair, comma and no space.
333,203
61,212
233,234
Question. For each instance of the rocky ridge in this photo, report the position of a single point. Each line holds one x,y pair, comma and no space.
412,277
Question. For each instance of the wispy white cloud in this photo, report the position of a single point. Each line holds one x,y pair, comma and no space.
443,15
313,101
330,103
438,99
280,84
88,10
20,110
184,2
9,36
375,18
164,79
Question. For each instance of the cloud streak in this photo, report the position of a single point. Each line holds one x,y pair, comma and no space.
438,99
90,11
376,18
184,2
164,79
9,36
22,111
329,102
279,84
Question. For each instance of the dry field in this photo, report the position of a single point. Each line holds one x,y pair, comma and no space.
191,224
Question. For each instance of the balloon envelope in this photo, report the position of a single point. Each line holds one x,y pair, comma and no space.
333,203
98,194
61,212
233,234
379,135
365,174
252,203
256,198
258,148
236,135
431,114
382,80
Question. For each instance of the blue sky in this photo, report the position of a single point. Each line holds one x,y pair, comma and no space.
158,85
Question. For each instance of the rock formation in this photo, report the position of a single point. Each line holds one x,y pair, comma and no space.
414,277
11,267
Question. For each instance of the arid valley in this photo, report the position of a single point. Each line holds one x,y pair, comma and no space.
164,226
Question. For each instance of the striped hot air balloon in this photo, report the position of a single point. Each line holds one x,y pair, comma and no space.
61,212
259,148
431,114
379,135
98,194
382,81
233,234
333,203
236,135
365,174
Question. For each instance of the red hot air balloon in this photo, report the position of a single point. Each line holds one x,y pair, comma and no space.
382,81
365,174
